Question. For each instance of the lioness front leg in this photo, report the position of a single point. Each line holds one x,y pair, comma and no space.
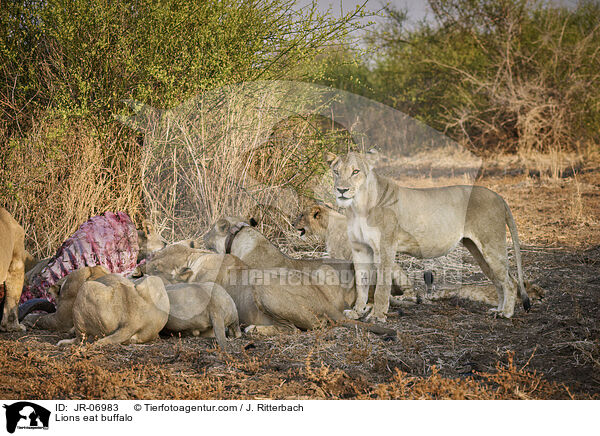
384,260
363,260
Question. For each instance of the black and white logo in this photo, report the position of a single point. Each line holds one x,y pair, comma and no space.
26,415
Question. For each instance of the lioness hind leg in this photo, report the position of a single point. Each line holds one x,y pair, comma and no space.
234,330
13,287
121,336
218,325
494,264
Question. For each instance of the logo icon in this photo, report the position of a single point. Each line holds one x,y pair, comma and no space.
26,415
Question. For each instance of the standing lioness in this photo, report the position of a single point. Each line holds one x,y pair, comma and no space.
384,218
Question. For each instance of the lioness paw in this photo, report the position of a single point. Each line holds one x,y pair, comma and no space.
499,313
66,342
377,317
351,314
13,328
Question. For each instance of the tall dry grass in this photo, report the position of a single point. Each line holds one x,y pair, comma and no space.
57,176
228,153
221,154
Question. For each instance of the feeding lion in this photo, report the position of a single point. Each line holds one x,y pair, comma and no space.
268,300
300,292
118,311
202,309
65,292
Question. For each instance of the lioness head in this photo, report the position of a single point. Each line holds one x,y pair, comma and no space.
149,240
349,173
216,237
313,220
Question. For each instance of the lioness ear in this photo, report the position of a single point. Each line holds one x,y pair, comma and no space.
97,271
147,227
54,290
252,222
186,274
316,212
222,225
329,157
372,156
137,273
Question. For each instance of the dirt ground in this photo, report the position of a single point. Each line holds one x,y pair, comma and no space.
449,349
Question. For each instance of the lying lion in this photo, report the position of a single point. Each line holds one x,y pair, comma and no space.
486,294
65,292
119,311
188,309
179,263
233,235
329,226
202,309
12,270
301,291
268,301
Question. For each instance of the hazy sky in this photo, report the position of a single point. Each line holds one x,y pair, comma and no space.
417,9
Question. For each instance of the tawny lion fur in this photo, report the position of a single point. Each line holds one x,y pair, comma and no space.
299,293
115,310
332,227
385,218
485,294
12,269
65,290
202,309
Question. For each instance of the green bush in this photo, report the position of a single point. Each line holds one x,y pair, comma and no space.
66,67
509,74
78,57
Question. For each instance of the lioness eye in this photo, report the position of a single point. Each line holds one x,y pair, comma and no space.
355,172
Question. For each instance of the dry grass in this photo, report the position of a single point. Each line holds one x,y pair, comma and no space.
452,349
232,152
229,153
52,181
42,372
537,96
